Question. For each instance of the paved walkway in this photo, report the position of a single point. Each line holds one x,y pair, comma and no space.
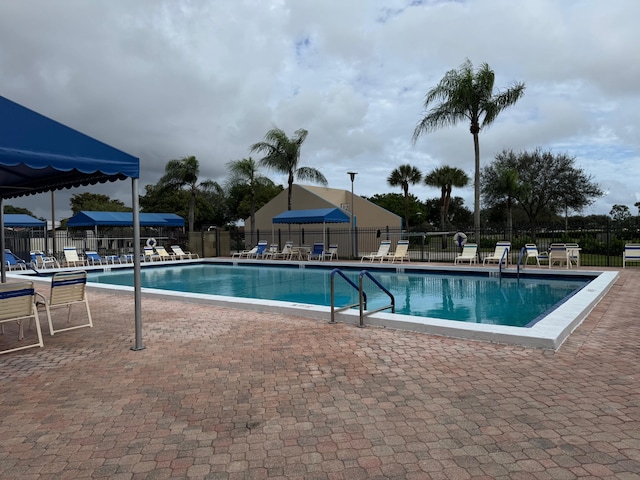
229,394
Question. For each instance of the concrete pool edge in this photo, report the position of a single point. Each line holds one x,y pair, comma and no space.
549,333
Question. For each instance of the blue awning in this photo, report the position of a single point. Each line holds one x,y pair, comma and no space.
318,215
38,154
22,220
124,219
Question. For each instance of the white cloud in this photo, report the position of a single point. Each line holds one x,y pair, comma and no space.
162,79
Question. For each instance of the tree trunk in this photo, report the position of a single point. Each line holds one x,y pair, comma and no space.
192,211
476,186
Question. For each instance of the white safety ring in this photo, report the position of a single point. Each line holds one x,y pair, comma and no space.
151,242
460,238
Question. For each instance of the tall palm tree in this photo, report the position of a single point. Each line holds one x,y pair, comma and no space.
467,95
181,173
403,176
446,178
282,154
245,172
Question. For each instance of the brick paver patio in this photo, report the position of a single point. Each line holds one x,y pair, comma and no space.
230,394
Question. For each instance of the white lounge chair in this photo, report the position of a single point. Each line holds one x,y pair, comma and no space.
502,249
401,253
469,254
71,257
149,254
67,289
631,253
286,253
573,254
558,255
177,249
332,253
382,252
39,260
163,254
245,253
531,252
17,304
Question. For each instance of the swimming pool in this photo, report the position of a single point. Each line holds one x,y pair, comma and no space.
463,297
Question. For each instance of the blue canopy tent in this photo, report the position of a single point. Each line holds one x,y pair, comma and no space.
316,215
38,154
22,220
124,219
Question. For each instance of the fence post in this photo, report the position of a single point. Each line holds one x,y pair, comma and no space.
608,244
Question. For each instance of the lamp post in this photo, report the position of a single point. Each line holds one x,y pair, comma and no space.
353,217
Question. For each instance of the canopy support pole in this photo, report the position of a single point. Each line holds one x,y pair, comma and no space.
136,264
3,265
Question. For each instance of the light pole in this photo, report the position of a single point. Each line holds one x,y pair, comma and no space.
353,217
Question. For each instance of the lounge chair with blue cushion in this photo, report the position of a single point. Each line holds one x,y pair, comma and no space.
500,253
13,262
318,251
67,289
382,252
631,253
94,258
469,254
17,304
261,251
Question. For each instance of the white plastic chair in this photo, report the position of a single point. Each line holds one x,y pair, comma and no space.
67,289
17,304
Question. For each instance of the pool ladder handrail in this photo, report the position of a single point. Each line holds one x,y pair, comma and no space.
362,296
523,252
505,252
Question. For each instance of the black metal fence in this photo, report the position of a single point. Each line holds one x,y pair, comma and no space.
601,246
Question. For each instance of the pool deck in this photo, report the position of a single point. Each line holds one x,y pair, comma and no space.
233,394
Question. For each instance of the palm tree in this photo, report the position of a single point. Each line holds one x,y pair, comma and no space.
282,154
245,172
467,95
184,173
403,176
446,178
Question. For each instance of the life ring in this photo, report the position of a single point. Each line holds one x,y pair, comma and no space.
151,242
460,239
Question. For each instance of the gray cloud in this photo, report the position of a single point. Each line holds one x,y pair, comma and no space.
162,79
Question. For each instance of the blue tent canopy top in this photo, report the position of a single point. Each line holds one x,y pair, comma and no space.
318,215
22,220
38,155
124,219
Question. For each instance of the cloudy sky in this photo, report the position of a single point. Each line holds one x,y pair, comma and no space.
163,79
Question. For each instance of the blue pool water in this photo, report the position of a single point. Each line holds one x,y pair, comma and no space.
462,297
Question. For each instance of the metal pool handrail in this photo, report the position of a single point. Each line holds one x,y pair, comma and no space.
365,273
505,252
523,250
362,296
